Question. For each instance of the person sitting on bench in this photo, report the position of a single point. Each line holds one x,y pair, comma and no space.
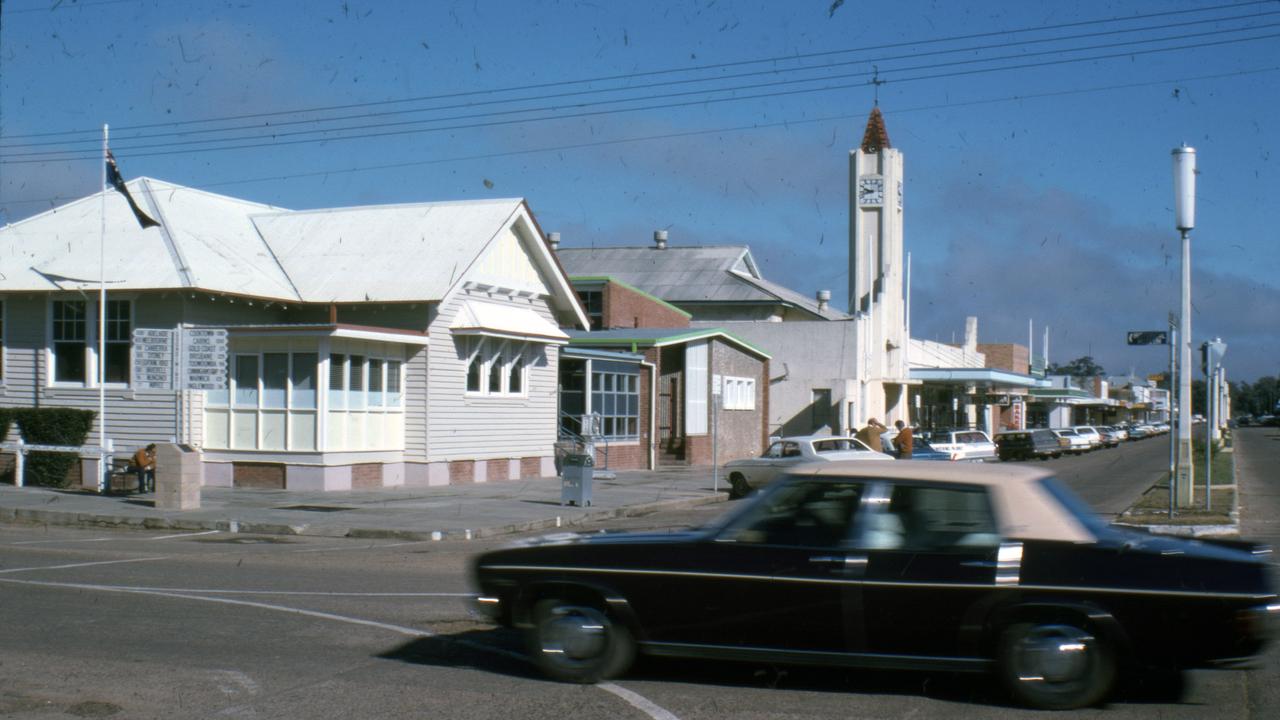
144,463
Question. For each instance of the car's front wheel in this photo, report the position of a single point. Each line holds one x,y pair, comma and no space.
738,487
1056,666
578,643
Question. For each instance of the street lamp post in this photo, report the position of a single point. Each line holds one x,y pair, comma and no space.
1184,193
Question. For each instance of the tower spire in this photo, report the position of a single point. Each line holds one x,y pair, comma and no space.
876,138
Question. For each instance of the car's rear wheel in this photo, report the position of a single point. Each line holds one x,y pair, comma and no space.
578,643
738,487
1056,666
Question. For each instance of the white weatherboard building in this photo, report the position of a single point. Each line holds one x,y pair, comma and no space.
367,346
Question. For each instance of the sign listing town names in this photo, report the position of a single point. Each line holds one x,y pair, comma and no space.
186,359
153,359
204,358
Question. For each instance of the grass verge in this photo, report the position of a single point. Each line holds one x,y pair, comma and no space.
1153,507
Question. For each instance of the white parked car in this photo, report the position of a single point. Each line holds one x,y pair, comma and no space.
971,445
781,455
1090,433
1079,443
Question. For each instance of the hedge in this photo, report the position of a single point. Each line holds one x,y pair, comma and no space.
49,426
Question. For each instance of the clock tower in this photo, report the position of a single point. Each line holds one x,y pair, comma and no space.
876,296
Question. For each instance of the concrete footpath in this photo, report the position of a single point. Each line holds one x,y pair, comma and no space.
453,512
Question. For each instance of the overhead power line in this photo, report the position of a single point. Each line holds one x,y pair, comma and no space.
153,150
276,130
667,71
701,132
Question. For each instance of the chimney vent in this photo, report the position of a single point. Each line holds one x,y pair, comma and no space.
824,299
660,239
554,240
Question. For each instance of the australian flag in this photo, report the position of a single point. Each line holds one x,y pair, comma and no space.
117,182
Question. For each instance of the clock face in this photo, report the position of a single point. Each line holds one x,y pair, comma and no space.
871,191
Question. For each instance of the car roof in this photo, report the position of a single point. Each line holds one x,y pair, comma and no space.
1024,507
811,438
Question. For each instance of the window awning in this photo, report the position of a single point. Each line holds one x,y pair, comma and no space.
506,321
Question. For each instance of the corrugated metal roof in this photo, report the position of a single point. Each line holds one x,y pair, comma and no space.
720,273
221,244
206,241
676,274
384,252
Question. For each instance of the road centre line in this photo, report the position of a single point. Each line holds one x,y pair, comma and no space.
78,565
412,632
636,700
186,535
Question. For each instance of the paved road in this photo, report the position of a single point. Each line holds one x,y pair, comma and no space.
147,625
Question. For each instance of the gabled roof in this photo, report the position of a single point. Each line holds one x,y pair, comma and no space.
388,253
693,274
214,243
205,241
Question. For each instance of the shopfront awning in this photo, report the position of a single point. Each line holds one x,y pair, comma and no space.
985,377
507,322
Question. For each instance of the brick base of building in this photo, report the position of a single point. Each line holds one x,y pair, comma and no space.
258,475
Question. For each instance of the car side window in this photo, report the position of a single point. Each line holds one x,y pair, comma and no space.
790,449
774,451
926,518
811,514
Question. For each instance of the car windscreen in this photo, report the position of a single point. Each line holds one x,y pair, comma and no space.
1079,509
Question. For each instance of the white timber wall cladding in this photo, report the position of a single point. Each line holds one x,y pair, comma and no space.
460,426
134,417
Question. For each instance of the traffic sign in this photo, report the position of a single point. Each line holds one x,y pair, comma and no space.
1148,337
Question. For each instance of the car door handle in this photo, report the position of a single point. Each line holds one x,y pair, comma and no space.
979,563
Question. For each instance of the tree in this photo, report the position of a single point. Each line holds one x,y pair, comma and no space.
1081,367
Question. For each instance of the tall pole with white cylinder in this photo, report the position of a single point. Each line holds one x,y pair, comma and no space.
1184,194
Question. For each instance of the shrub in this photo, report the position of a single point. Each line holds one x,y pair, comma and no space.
52,426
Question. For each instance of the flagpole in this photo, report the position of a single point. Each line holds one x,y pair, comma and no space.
102,325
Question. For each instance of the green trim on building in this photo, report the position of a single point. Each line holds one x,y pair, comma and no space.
610,279
594,339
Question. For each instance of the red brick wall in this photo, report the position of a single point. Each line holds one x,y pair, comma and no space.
462,472
1006,356
257,475
626,308
530,467
624,457
366,475
498,470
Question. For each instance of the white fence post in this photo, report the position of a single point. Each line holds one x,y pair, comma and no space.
18,463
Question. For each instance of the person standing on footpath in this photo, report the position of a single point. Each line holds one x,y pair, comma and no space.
904,440
870,435
144,463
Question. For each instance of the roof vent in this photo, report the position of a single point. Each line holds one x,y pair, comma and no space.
554,240
660,239
824,299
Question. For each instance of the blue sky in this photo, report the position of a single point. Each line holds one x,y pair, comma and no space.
1040,191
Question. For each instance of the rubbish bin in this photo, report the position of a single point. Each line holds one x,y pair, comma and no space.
575,480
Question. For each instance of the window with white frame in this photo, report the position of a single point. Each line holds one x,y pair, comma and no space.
615,397
273,401
739,393
496,367
362,382
72,331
